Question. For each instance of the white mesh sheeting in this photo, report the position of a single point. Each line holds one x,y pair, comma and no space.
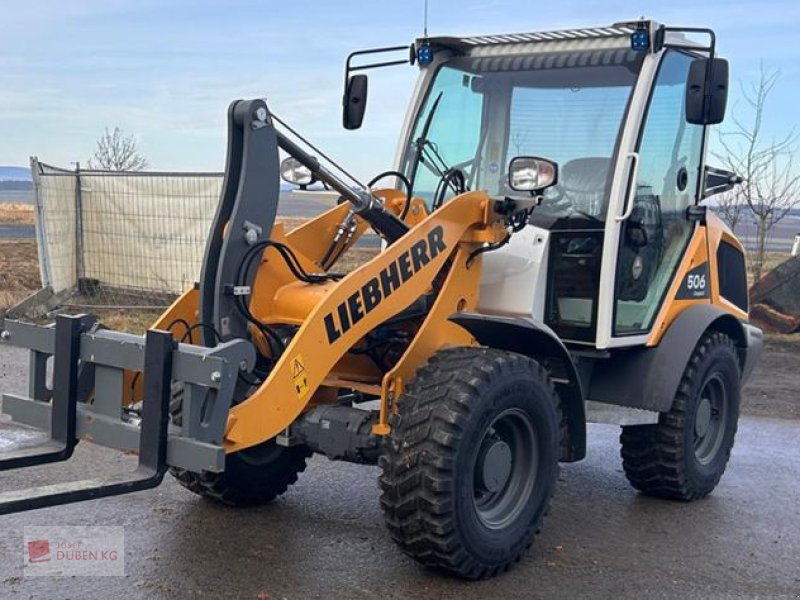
56,193
146,232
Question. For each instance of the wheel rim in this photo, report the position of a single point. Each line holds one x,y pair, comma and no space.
505,470
710,419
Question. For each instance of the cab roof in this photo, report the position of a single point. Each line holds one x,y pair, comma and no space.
463,44
614,36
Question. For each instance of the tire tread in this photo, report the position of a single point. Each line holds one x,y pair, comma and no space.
653,455
419,463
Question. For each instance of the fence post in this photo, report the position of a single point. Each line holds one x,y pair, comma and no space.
796,245
80,267
42,247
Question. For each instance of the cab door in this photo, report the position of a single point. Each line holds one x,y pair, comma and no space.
654,228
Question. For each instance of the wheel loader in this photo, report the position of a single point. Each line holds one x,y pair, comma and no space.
546,260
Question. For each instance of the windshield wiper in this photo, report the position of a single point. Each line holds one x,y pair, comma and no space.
422,141
423,138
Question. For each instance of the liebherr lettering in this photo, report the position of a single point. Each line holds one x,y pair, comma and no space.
388,281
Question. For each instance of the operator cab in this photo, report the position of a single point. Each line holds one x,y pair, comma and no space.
609,107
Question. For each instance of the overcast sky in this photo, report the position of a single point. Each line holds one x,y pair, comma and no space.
166,70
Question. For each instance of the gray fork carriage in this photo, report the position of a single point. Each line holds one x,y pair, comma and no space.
86,401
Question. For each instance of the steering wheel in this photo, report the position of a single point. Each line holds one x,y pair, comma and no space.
555,200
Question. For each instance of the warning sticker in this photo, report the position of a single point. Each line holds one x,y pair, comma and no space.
299,376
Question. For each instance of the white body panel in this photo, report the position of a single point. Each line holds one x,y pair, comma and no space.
514,277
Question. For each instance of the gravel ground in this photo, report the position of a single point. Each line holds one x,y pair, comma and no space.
774,387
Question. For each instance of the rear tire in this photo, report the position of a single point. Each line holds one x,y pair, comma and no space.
684,456
471,463
252,477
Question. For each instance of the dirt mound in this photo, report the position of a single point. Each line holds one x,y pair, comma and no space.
775,298
772,320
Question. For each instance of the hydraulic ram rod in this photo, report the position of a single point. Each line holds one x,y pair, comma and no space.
364,204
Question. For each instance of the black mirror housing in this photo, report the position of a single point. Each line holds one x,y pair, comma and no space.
707,91
354,103
718,181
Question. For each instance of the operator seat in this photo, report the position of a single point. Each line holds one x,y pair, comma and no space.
583,181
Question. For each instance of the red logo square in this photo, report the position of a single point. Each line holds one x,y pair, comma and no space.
38,551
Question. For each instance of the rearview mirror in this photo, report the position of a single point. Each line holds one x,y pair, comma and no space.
293,171
706,91
354,103
531,174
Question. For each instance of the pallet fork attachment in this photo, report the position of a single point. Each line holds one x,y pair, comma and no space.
153,439
89,368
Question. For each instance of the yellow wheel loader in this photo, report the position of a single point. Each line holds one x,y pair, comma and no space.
546,261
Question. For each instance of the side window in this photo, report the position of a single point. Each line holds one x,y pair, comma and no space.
669,144
655,235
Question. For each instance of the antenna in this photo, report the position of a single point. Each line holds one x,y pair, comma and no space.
425,21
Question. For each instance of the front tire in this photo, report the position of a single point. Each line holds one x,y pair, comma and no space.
684,456
252,477
471,463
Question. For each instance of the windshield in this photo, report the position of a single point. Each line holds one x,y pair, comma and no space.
479,113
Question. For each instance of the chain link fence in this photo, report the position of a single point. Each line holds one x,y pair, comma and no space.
121,239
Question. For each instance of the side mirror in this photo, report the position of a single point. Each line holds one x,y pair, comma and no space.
354,103
706,91
293,171
531,174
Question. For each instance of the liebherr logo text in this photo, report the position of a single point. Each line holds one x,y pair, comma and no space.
363,301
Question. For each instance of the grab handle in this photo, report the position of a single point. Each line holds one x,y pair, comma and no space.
630,197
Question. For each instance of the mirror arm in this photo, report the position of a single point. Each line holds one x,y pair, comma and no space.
348,68
661,37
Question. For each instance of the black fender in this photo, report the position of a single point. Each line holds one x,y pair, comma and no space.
648,378
527,336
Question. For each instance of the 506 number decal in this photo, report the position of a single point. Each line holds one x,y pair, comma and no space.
695,284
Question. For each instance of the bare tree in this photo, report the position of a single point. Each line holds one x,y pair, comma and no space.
519,140
731,206
771,182
117,152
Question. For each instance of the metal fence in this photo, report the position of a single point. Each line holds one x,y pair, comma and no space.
120,238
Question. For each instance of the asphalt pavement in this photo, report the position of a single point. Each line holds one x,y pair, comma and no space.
17,232
326,539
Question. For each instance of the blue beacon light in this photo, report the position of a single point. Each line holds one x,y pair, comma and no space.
424,55
640,40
